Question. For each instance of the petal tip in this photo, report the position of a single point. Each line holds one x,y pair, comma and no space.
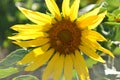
101,60
112,55
10,38
20,8
19,63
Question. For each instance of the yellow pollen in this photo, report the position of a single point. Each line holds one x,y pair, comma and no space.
65,37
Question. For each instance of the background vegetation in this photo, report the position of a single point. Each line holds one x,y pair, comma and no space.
110,28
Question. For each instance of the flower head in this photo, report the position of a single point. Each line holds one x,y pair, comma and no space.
60,39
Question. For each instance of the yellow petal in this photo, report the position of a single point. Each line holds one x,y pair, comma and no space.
82,62
97,46
49,69
91,53
34,53
68,67
45,47
36,17
79,65
92,35
88,43
98,21
74,10
87,22
91,13
66,8
40,50
58,68
32,43
106,51
28,35
53,8
30,28
28,58
90,39
40,60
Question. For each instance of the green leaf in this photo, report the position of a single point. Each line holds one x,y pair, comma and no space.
111,17
75,75
7,72
116,13
13,58
114,16
113,23
116,51
25,77
90,62
117,34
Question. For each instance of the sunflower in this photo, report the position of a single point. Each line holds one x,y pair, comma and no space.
59,39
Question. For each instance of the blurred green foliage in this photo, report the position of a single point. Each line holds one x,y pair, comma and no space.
110,28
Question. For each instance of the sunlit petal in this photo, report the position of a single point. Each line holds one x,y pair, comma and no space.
28,58
66,8
42,49
68,67
98,21
30,28
28,35
58,68
36,17
93,35
74,10
79,65
49,69
53,8
42,59
97,46
87,22
33,54
91,54
82,63
32,43
91,13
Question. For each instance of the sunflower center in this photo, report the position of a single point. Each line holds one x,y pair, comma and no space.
65,37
